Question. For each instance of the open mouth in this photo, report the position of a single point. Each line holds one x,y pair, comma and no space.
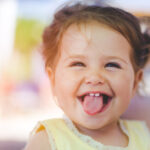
94,103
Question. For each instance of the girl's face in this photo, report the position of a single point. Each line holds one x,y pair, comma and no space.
94,79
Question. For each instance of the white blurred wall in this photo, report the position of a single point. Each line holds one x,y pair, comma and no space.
8,12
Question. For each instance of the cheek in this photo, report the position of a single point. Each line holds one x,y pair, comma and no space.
65,87
123,85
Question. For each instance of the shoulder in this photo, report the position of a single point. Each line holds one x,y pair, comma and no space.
138,128
38,141
134,123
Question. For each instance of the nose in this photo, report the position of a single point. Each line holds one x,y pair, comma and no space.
95,78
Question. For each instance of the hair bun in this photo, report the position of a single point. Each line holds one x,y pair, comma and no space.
145,28
146,36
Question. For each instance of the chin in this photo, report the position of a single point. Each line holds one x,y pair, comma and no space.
90,125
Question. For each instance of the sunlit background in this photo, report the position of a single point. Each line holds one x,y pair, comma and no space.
25,96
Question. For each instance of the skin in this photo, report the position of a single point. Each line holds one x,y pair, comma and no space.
95,58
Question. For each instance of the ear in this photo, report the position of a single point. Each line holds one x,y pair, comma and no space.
50,75
138,78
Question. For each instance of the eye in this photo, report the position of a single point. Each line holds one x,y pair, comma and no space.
77,64
112,65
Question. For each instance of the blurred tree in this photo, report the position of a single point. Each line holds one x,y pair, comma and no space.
28,35
27,39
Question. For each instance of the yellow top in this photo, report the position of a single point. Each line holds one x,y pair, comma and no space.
63,135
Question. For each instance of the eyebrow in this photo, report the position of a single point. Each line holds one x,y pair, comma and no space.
75,57
83,57
118,58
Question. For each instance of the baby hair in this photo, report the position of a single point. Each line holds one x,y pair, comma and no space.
81,13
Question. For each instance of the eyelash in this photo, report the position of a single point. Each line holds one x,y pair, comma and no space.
113,65
110,65
78,64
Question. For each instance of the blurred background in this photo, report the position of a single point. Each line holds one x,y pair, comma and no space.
25,96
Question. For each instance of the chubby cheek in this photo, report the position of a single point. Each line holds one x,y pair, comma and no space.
65,88
124,87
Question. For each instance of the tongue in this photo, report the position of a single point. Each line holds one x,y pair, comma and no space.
92,104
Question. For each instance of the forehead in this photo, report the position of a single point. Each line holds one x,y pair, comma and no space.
81,37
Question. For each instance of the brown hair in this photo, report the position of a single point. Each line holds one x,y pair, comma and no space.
115,18
145,26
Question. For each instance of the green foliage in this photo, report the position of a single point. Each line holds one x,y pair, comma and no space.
28,35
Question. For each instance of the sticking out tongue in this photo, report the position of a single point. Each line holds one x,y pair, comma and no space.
92,104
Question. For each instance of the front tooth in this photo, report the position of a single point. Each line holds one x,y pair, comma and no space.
97,94
91,94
